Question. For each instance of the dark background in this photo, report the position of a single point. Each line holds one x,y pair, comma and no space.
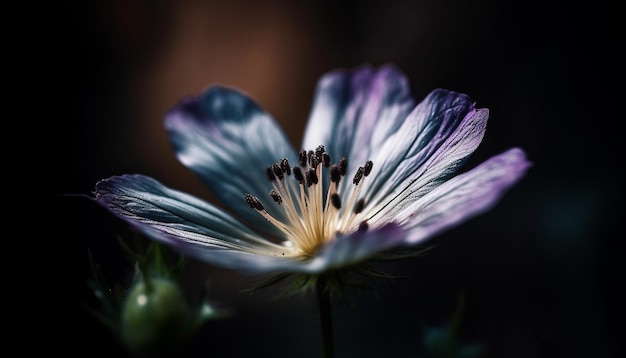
540,272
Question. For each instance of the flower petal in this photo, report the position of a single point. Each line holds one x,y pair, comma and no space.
176,218
355,111
228,141
434,141
341,252
463,196
357,247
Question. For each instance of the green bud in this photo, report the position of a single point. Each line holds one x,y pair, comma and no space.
156,319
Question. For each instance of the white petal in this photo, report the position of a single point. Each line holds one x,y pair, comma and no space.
176,218
229,141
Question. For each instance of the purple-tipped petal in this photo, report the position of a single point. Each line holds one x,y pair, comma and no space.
228,141
175,218
463,196
355,111
452,130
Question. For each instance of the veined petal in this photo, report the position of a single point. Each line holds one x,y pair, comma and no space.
228,140
463,196
358,246
176,218
344,251
436,139
354,112
242,261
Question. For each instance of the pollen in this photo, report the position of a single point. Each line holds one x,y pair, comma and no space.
315,210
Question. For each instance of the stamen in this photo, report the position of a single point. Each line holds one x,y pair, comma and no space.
326,159
347,220
316,161
368,168
343,166
278,171
358,176
319,150
313,179
302,157
313,211
359,206
276,197
297,173
254,202
335,174
284,166
335,200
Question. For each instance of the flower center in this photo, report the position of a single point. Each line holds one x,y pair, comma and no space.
314,214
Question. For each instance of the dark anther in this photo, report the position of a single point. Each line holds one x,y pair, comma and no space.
302,158
320,149
358,207
363,226
276,197
368,167
270,174
335,200
297,173
326,159
334,173
250,200
284,166
343,166
277,171
253,201
310,174
314,161
358,176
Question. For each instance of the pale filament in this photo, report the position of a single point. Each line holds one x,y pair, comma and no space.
314,214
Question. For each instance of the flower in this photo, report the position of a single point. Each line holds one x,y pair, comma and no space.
376,172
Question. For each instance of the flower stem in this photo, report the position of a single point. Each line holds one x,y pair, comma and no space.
323,299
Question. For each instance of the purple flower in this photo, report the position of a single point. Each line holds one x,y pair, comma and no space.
375,172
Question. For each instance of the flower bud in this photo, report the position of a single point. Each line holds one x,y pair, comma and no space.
156,318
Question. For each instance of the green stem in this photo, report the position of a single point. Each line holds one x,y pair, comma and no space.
323,299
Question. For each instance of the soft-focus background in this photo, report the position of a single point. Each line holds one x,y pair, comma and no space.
539,272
